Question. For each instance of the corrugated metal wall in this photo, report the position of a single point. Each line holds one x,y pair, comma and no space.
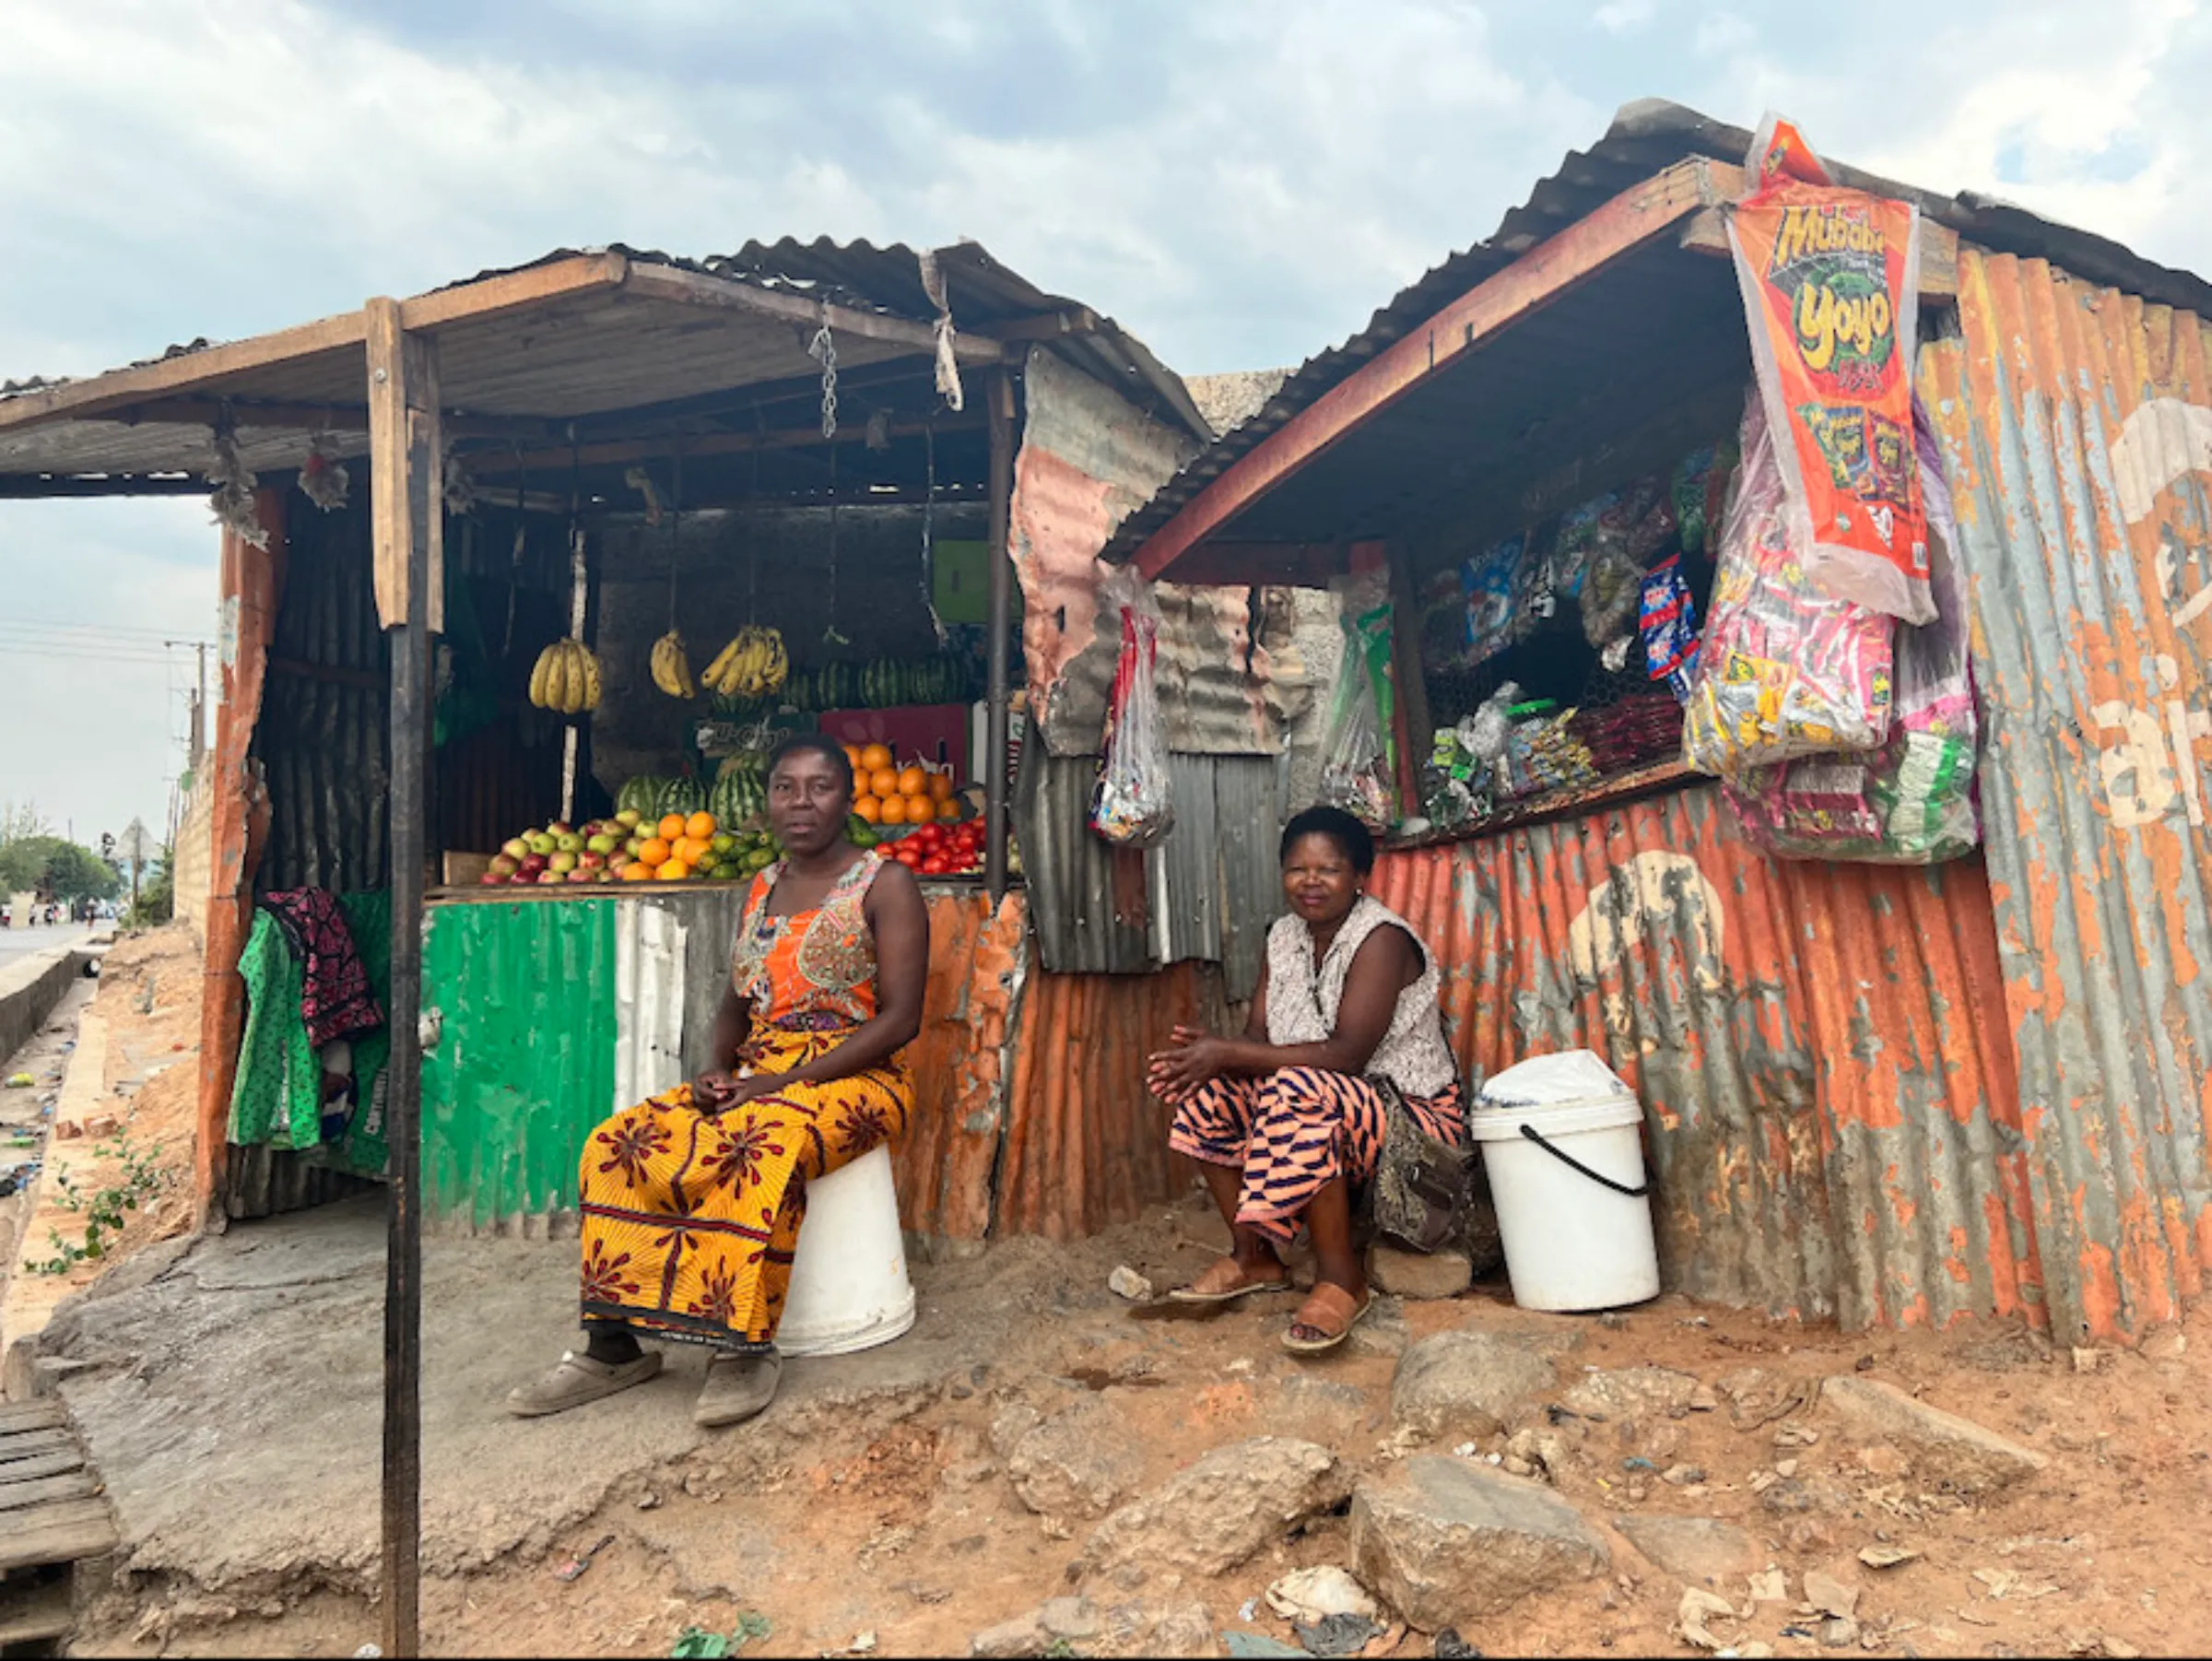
1832,1106
2077,430
1206,893
1087,1144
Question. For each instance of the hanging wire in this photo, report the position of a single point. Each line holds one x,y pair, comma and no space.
831,635
929,530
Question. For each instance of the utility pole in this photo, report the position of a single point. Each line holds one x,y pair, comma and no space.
199,703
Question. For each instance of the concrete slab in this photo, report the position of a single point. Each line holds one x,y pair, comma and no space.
233,1399
32,1297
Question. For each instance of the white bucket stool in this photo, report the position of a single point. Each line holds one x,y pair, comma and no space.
849,1288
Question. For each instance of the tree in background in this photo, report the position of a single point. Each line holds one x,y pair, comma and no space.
18,821
157,894
56,869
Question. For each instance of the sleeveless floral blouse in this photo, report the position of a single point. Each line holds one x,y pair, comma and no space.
811,971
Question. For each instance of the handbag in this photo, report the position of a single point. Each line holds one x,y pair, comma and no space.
1424,1188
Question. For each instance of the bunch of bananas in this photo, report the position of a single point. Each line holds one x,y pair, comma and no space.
565,679
752,666
672,666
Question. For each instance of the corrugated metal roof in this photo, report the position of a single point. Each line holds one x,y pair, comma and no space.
1645,137
2077,424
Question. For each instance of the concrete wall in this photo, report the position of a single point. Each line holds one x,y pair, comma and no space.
31,987
193,857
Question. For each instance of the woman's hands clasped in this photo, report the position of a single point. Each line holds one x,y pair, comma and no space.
717,1090
1193,1058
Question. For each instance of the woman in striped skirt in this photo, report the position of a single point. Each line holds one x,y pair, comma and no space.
1287,1119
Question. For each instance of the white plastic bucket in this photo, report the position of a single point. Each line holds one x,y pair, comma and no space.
849,1288
1571,1242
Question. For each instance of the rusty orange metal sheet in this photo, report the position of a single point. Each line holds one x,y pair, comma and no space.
1820,1049
1087,1144
2077,424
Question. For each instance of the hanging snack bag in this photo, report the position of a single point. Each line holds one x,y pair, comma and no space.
1785,669
1130,804
1670,625
1700,489
1912,802
1830,285
1491,584
1358,764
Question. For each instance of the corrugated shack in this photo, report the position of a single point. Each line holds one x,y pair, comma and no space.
843,442
1894,1096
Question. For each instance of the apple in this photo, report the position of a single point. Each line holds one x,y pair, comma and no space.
517,850
549,878
582,874
540,842
568,842
590,859
560,827
501,865
634,847
531,867
563,862
494,879
602,845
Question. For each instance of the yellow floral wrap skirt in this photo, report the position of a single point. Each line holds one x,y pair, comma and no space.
690,1221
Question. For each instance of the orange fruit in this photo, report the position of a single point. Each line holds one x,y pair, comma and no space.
674,871
883,782
869,809
672,827
636,873
875,757
912,781
691,849
700,826
948,808
920,809
853,757
940,786
656,853
892,811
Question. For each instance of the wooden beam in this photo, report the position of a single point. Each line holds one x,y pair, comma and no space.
1707,232
1628,223
406,455
81,398
692,287
513,291
484,463
1045,325
31,487
272,416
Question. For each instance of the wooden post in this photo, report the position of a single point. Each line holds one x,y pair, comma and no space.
1416,733
999,391
406,459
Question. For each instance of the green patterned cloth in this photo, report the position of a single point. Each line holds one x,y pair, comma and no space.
277,1099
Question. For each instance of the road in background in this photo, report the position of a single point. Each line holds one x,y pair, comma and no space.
17,942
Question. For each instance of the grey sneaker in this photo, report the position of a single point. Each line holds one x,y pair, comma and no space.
737,1387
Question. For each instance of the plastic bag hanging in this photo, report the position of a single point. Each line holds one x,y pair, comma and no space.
1131,806
1358,766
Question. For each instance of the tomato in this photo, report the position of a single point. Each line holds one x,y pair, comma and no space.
909,857
937,865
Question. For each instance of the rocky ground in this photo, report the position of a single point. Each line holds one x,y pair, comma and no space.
1045,1468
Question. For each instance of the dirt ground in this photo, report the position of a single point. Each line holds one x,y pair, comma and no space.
229,1391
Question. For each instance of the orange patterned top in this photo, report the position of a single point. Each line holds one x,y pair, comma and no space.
810,971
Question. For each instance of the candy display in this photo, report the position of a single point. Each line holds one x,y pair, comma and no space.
1784,670
1635,732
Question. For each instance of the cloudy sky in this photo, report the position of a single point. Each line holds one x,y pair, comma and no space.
1240,182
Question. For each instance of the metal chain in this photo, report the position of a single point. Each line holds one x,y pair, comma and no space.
829,635
824,349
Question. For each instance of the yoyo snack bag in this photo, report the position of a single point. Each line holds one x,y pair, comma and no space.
1831,284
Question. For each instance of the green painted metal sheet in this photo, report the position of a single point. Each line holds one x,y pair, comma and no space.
525,1065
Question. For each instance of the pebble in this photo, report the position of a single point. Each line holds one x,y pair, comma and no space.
1125,1282
1683,1476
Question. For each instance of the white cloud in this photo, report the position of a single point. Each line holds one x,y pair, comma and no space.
1625,16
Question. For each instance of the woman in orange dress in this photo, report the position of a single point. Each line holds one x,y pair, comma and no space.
692,1200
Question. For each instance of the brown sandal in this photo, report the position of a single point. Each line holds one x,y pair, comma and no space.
1224,1282
1331,1311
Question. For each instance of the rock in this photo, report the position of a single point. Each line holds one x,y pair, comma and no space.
1444,1542
1838,1632
1702,1551
101,1125
1010,1425
1798,1496
1125,1282
1464,1384
1512,1464
1683,1476
2168,1344
67,1130
1184,1630
1306,1596
1214,1514
1886,1557
1631,1392
1426,1275
1881,1460
1383,1332
1957,1453
1079,1462
1830,1595
1020,1636
1070,1618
